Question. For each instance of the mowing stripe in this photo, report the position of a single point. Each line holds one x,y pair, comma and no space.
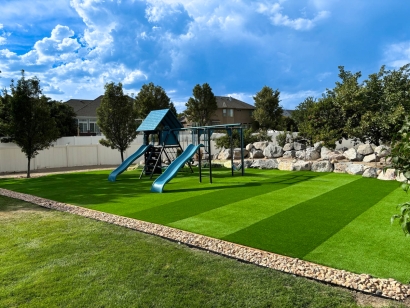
167,213
300,229
238,215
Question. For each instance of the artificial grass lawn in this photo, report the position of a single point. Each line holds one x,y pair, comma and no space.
338,220
54,259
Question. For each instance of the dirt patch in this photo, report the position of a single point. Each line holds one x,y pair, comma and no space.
366,300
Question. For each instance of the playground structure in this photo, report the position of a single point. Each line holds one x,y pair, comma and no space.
161,140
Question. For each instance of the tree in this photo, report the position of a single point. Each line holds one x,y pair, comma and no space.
202,106
152,97
64,116
31,127
4,113
268,112
117,118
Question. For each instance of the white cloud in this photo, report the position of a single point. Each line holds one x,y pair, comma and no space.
291,100
134,76
397,55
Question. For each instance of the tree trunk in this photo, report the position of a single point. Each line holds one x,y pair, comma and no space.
122,156
28,167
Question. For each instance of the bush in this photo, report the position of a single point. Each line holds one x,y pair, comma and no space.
236,139
281,139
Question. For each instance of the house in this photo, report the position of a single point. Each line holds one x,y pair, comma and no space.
86,111
230,110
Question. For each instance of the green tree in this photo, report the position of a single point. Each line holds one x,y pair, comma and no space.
31,127
4,113
64,116
202,106
152,97
268,112
117,118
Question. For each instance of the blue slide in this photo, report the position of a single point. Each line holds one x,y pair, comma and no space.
126,163
173,168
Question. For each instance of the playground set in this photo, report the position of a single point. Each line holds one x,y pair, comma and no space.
161,140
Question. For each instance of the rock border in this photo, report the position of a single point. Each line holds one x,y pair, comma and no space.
388,288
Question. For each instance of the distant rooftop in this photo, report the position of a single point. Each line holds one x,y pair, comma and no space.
232,103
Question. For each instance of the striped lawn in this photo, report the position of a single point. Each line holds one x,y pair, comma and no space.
333,219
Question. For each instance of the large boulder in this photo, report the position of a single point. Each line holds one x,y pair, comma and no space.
288,147
225,154
365,149
334,157
322,166
370,158
311,154
249,147
297,146
256,154
356,169
371,172
265,164
341,167
261,145
325,153
352,155
382,150
285,165
273,151
318,146
237,153
289,154
247,163
300,154
302,165
387,175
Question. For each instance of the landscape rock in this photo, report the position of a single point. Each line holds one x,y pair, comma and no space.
370,158
247,163
322,166
300,154
256,154
312,154
225,154
335,157
288,147
401,178
370,172
318,146
325,152
273,151
352,155
289,154
297,146
265,164
340,167
237,153
355,169
285,165
261,145
365,149
249,147
382,150
302,165
387,175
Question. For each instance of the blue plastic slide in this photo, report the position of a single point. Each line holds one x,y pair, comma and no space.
173,168
126,163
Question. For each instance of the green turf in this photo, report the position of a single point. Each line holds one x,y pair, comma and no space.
314,216
54,259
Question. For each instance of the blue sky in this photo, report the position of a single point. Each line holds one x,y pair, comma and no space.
237,46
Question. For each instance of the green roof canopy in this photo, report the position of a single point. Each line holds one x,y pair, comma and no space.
162,119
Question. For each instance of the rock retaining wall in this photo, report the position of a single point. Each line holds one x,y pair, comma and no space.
388,288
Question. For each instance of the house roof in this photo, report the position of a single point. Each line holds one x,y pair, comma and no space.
85,107
287,113
232,103
156,118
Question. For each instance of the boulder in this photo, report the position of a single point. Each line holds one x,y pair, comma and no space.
312,154
370,158
322,166
289,154
302,165
365,149
237,153
387,175
335,157
356,169
260,145
370,173
300,154
273,151
318,146
341,167
325,153
401,178
247,163
256,154
285,165
249,147
265,164
297,146
225,154
352,155
382,151
288,147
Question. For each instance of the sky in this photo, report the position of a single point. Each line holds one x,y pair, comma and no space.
75,47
